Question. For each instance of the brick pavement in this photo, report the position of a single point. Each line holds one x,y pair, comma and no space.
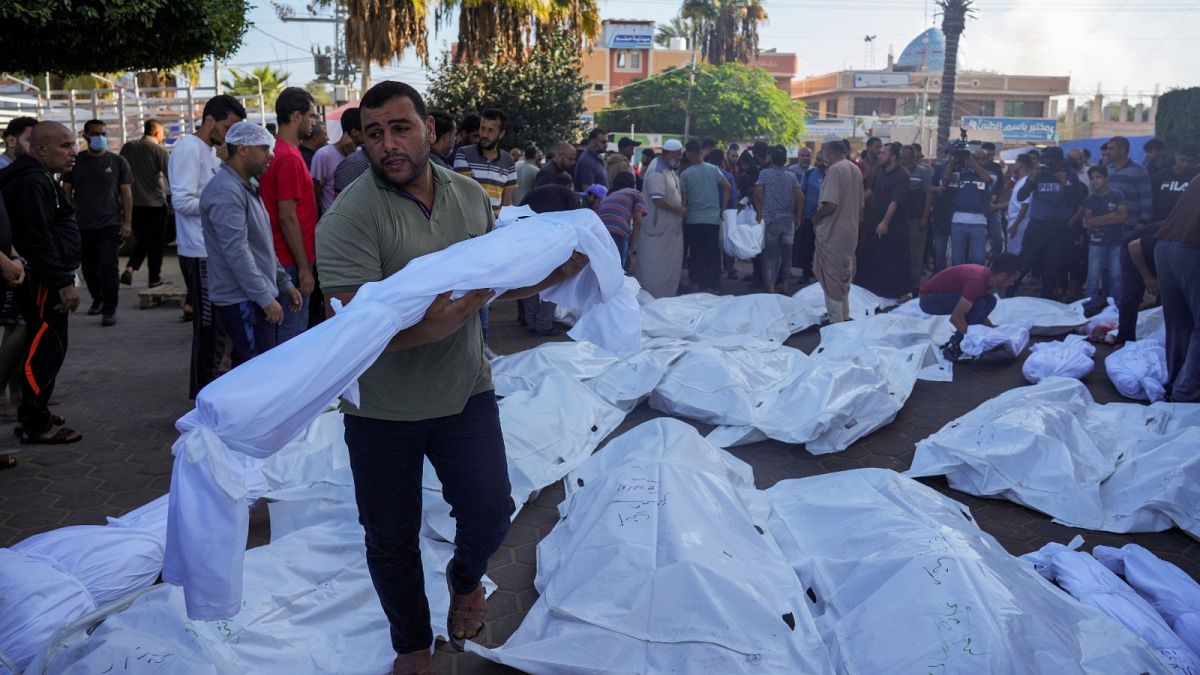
123,388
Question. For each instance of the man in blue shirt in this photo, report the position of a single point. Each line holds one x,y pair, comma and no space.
705,191
973,185
805,246
589,168
1055,194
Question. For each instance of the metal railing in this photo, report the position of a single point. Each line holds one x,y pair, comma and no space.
126,108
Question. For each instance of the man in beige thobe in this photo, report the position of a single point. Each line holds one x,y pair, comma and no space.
658,261
836,228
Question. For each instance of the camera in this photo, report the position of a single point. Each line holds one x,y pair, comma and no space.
1052,160
960,150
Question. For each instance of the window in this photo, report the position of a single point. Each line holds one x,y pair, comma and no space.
910,106
629,59
975,108
831,107
874,106
599,86
1024,108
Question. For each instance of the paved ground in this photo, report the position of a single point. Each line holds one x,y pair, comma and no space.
123,387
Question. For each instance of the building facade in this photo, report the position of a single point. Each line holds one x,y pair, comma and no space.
626,53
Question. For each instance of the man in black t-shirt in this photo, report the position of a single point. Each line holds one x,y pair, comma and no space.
101,186
557,169
1169,185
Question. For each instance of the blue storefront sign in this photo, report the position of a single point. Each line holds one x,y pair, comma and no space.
1016,129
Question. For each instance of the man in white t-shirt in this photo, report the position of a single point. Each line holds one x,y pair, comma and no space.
193,163
1018,209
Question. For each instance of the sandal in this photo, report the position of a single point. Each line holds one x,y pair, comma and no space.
466,616
7,462
55,420
61,437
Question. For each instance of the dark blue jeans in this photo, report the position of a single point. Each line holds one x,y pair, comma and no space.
944,304
386,458
249,332
1179,287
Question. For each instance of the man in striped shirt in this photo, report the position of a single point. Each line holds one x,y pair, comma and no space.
1130,179
494,170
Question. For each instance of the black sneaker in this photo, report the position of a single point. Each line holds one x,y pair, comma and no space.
94,310
108,320
127,278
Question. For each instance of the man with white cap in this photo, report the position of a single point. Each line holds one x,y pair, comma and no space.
658,260
836,228
246,283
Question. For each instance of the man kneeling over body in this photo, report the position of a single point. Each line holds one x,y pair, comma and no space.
964,292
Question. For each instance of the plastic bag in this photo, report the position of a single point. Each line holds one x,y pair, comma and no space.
1139,370
741,234
1006,339
1072,357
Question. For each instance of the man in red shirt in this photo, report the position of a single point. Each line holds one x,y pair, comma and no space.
965,293
287,194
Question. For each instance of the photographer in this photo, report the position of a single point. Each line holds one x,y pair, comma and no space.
1055,195
972,185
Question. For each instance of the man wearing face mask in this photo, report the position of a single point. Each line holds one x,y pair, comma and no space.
101,186
193,163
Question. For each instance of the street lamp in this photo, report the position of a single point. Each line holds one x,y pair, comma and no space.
262,102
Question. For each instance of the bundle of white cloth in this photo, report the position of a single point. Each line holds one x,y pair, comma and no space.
663,545
263,404
1119,467
1094,581
51,579
1070,357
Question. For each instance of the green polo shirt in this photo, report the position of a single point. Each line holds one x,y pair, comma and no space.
373,230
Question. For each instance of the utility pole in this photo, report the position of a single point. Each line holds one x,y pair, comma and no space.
687,109
343,70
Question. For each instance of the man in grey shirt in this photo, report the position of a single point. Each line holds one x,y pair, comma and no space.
246,283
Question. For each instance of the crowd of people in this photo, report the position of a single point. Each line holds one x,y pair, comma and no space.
275,227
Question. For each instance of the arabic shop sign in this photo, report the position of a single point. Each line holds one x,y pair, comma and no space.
1016,129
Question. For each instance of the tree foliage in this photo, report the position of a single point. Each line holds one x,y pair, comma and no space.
1178,117
381,30
82,36
543,97
729,102
510,27
273,82
954,22
726,30
677,27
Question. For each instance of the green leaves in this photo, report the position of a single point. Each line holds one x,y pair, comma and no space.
1177,119
730,101
69,37
543,96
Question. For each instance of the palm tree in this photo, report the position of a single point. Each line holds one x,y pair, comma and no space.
378,31
507,27
273,82
727,30
677,27
954,22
